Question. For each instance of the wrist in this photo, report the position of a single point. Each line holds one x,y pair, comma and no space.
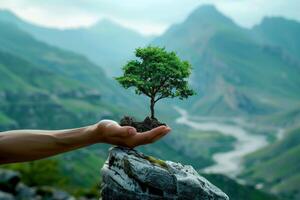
95,133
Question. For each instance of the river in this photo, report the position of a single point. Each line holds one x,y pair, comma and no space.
228,163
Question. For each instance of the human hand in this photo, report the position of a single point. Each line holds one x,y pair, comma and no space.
111,132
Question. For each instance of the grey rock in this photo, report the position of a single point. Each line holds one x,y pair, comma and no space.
9,180
128,174
62,195
6,196
23,192
51,193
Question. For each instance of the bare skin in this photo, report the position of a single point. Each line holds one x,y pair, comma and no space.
28,145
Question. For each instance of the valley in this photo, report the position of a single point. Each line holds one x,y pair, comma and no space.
230,162
243,123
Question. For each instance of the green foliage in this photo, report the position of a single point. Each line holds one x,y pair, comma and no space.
156,161
89,192
277,166
236,191
41,172
157,74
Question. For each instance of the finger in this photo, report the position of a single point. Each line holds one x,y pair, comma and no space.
161,135
147,137
158,137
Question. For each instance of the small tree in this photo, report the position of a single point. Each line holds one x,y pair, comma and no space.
157,74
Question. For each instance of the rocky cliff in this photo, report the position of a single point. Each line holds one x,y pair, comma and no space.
128,174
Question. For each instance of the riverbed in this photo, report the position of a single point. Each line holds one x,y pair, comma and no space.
228,163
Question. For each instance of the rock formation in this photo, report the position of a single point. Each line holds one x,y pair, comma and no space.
128,174
11,188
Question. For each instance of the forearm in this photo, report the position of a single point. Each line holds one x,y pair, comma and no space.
26,145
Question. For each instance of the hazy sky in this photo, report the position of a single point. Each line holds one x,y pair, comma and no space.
145,16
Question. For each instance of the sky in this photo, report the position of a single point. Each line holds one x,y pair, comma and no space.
145,16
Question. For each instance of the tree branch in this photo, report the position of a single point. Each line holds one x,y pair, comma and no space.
161,85
145,93
159,98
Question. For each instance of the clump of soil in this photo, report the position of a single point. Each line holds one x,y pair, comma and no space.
146,125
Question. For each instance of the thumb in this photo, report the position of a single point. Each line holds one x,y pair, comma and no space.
126,131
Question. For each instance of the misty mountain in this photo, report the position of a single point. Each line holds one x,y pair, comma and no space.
281,32
234,72
247,72
40,84
106,43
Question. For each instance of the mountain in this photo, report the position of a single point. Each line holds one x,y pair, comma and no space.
234,73
74,69
237,191
276,168
281,32
246,73
36,77
106,43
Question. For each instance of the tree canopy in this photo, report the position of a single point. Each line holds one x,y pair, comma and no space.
157,74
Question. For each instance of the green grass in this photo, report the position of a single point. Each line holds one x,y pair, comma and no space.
5,120
277,166
236,191
82,167
78,106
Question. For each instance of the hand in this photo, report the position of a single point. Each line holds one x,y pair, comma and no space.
111,132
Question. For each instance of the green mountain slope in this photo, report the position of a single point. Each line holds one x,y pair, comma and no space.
233,72
241,73
280,32
237,191
106,43
25,95
277,167
34,73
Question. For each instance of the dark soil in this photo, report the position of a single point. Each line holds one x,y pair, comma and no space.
143,126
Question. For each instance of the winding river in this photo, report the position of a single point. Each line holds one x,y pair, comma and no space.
229,163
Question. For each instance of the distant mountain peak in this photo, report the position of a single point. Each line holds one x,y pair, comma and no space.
209,8
275,20
111,26
5,12
209,13
8,16
105,22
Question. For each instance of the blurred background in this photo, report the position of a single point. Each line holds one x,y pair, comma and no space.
58,60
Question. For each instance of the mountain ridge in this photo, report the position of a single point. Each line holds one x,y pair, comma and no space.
108,46
224,59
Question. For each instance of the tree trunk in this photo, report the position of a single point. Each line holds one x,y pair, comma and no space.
152,108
